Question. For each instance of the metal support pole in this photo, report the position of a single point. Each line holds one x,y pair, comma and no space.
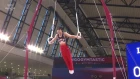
109,20
29,38
35,21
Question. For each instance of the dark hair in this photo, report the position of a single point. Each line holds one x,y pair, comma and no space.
60,28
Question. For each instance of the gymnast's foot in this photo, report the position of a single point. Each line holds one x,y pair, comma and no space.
71,71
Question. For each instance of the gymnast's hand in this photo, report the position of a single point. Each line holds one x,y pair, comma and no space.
50,42
78,37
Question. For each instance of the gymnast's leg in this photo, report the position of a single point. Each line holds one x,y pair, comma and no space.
66,54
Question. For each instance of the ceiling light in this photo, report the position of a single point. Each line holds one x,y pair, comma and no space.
18,65
11,63
4,62
4,37
35,49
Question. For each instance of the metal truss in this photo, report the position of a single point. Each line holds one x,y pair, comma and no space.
83,22
84,54
80,53
54,50
43,27
19,19
17,45
21,22
124,4
72,44
73,54
76,51
120,39
126,23
108,47
59,55
8,15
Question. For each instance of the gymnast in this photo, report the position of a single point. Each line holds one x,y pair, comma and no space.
65,51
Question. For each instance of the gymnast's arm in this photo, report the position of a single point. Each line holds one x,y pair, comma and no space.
52,41
70,36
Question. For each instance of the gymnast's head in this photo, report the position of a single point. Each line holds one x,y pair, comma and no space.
59,29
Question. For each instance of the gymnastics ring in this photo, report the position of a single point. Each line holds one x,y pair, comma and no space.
79,34
49,39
